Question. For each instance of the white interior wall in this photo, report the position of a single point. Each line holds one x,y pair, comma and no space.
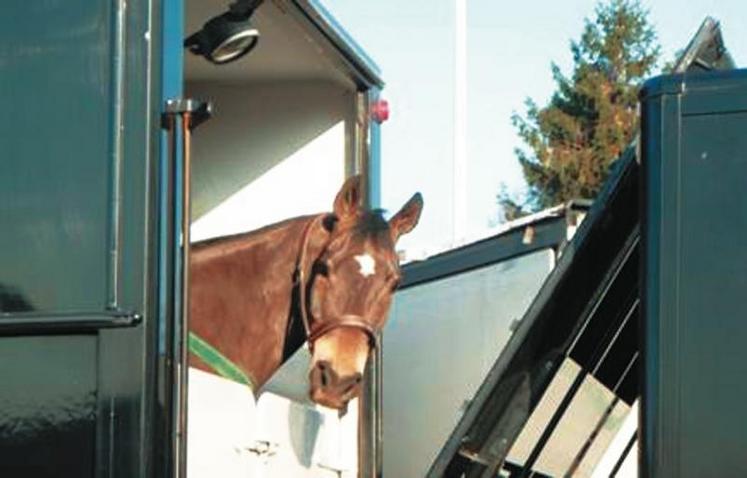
271,151
233,434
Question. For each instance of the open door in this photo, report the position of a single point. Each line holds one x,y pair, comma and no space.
81,244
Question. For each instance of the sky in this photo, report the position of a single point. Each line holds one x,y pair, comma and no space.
510,47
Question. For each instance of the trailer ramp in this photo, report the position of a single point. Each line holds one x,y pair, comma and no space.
580,333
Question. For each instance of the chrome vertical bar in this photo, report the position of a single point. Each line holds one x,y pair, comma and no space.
183,349
369,404
182,116
117,153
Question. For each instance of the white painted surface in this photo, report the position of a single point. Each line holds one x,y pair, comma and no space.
232,435
441,340
303,183
221,427
271,152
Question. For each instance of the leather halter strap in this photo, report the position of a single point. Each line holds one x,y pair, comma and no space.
350,321
319,328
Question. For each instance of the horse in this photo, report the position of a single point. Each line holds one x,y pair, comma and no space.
326,279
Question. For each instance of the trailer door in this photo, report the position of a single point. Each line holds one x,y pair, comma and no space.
80,245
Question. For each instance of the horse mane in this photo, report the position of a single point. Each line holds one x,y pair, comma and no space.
241,236
371,222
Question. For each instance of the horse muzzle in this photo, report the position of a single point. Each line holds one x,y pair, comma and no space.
339,359
331,389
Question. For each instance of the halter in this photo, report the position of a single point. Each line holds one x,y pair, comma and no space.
320,328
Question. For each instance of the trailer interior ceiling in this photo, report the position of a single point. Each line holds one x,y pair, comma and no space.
285,51
581,334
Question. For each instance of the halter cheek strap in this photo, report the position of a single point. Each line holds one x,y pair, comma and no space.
321,327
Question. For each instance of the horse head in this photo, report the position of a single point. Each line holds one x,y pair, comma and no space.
348,291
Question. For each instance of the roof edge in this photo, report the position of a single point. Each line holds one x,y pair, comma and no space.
367,70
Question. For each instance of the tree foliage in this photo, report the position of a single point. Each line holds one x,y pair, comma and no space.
592,115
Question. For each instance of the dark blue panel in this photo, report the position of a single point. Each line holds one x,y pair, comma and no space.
695,278
80,82
47,406
55,87
711,298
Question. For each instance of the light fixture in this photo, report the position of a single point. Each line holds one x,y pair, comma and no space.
228,36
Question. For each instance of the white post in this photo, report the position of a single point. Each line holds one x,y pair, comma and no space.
460,121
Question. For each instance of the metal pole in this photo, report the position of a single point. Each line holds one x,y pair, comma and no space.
182,366
191,113
369,403
460,121
171,339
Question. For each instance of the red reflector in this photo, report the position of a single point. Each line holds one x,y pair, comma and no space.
380,111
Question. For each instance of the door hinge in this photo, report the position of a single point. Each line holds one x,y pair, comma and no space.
197,111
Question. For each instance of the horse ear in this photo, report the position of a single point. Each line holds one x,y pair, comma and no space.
407,217
349,198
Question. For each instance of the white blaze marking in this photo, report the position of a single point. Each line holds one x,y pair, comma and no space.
367,263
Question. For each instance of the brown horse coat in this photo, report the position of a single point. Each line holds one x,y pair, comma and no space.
244,302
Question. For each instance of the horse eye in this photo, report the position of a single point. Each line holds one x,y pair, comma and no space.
321,268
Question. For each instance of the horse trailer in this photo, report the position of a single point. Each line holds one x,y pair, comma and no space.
118,147
560,328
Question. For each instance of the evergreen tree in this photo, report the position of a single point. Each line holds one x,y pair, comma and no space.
592,115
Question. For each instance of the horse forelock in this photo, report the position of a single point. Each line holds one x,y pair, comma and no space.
370,224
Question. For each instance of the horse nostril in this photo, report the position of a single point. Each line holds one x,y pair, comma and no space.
334,383
354,380
351,383
324,373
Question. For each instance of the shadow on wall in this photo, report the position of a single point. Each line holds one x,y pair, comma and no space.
303,428
256,127
303,183
12,300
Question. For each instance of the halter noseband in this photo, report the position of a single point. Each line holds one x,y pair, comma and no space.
321,328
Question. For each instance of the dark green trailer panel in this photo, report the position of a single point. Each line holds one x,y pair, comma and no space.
694,226
80,390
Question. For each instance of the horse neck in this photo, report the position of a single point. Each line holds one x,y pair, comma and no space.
241,294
